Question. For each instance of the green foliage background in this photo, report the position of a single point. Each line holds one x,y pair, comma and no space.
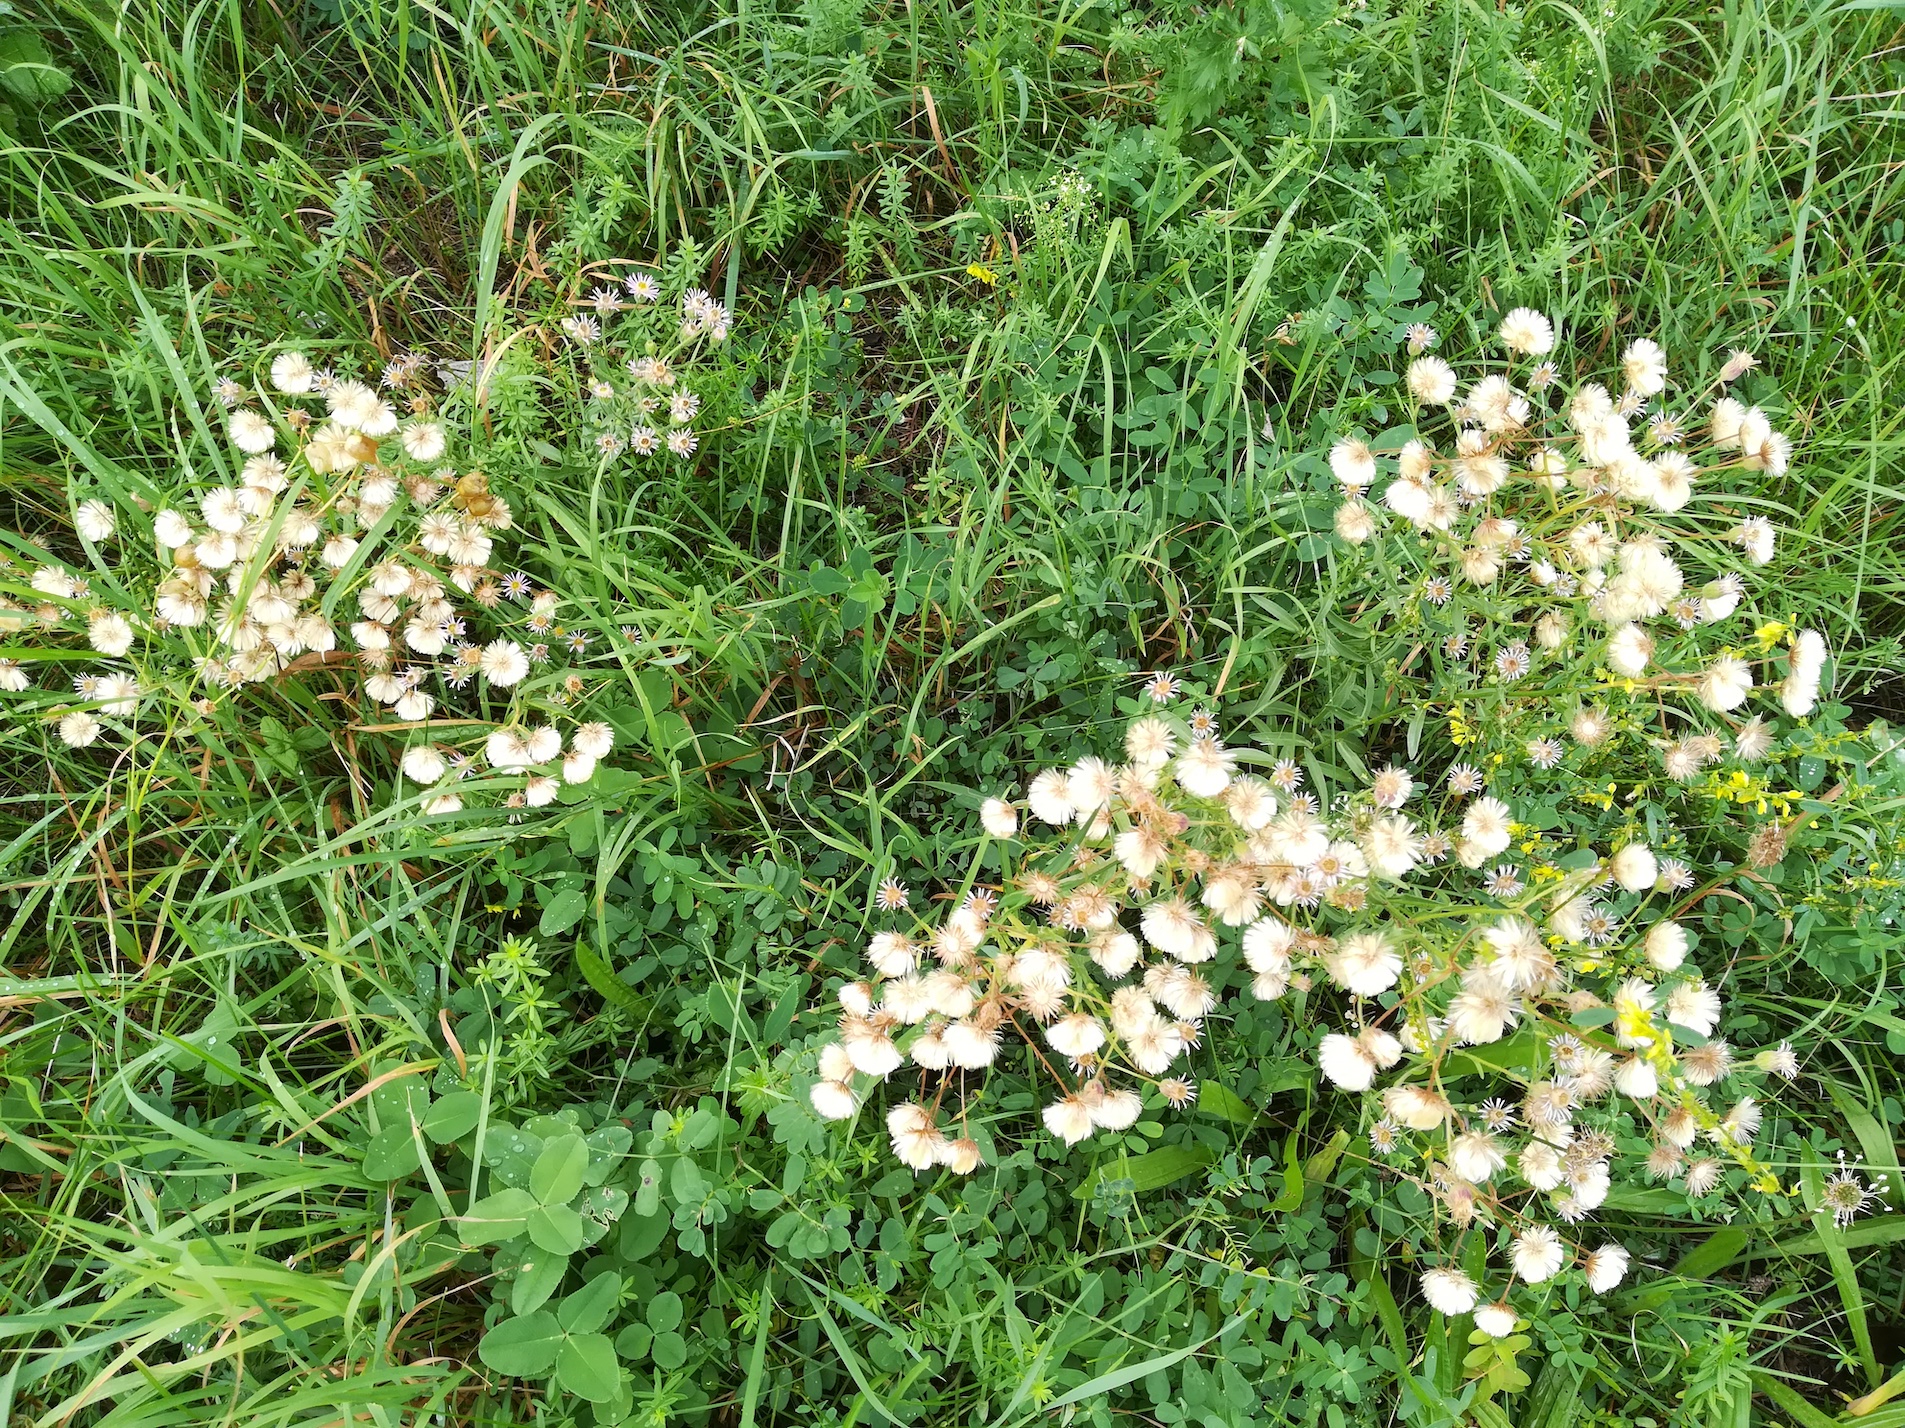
1044,311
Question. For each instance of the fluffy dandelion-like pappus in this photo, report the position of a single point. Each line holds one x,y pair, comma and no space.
1152,884
1425,913
341,543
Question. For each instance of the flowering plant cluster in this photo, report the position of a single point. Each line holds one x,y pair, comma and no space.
635,348
341,535
1521,1016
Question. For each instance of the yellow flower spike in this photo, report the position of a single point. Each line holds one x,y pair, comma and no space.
983,274
1771,633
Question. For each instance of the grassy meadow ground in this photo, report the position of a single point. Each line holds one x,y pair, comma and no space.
1044,313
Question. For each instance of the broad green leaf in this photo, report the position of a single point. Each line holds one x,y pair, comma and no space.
664,1312
634,1341
591,1306
603,1204
1292,1196
453,1117
555,1228
607,1146
669,1351
1291,1075
1318,1167
392,1152
586,1367
1216,1099
1714,1253
496,1217
640,1234
522,1348
557,1176
648,1189
611,988
1644,1199
563,911
1516,1053
685,1181
27,70
1150,1171
400,1098
538,1276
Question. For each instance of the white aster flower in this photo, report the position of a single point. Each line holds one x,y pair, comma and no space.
291,373
1345,1062
1725,683
1645,367
424,441
1635,868
1365,964
78,729
1605,1268
1050,799
95,521
1352,463
1204,768
423,764
109,632
1485,826
1496,1320
1069,1119
1431,381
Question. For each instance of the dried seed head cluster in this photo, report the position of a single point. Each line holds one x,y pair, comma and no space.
1554,525
1522,1018
346,538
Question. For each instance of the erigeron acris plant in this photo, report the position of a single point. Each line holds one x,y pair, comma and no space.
348,538
1432,922
633,348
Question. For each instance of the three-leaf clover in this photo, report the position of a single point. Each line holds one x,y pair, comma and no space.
568,1342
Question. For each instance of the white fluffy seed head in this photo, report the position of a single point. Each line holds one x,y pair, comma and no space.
1449,1291
1528,332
